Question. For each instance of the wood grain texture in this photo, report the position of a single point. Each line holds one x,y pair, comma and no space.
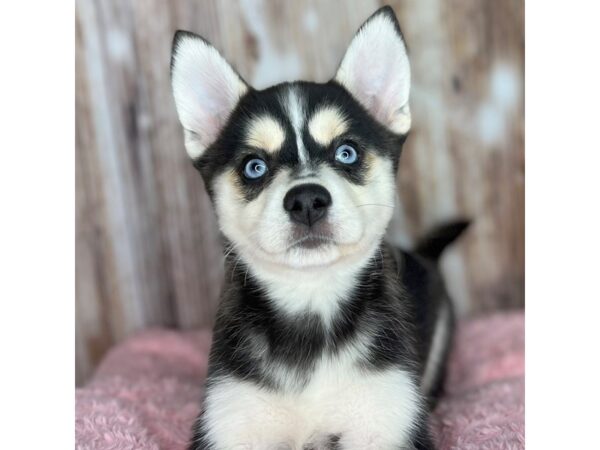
148,252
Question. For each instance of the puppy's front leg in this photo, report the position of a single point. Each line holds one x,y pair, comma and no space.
239,415
382,411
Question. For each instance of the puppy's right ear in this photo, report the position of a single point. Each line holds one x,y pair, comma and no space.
376,71
206,90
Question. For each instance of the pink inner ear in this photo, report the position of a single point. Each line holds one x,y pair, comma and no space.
386,103
217,97
206,90
375,90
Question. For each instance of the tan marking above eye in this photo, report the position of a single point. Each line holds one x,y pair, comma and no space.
327,124
266,133
374,164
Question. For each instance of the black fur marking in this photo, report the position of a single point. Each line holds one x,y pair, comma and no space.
392,299
366,134
248,315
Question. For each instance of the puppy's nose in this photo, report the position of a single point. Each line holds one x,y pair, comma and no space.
307,203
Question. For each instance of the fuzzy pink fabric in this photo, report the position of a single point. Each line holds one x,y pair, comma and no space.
146,392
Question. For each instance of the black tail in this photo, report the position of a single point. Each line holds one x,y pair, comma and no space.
436,241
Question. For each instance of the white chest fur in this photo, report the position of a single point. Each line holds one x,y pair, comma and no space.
366,409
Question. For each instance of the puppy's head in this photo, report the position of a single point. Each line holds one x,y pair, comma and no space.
302,175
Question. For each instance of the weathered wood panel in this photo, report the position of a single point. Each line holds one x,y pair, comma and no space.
466,155
147,242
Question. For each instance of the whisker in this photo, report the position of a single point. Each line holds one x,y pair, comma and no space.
228,250
246,274
237,260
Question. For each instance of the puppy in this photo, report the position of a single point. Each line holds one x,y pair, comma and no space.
325,337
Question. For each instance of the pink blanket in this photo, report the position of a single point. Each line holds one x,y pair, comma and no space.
146,392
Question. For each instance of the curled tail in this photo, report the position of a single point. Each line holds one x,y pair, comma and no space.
433,244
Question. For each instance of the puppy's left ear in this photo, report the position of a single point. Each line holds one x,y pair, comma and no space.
206,90
376,71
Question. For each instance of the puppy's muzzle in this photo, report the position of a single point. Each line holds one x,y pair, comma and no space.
307,203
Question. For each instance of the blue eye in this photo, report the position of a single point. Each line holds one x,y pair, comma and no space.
255,168
346,154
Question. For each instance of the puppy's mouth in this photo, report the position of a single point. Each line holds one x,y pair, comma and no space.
309,248
311,241
314,237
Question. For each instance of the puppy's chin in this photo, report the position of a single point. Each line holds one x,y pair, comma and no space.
310,255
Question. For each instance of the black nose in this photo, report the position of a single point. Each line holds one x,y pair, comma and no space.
307,203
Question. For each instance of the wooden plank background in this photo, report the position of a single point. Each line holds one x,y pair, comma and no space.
147,243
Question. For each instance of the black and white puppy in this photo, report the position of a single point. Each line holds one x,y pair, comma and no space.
325,338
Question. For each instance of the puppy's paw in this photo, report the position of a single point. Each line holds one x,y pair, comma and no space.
323,442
